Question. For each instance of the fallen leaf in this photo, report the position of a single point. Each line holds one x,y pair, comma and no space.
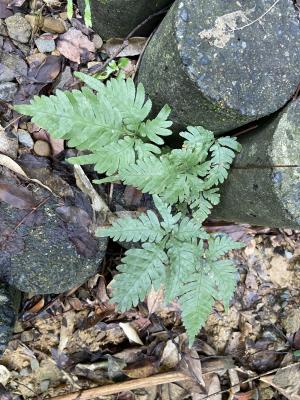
213,389
75,46
17,196
286,381
66,329
8,146
45,71
155,300
82,181
131,333
170,356
141,369
37,306
134,48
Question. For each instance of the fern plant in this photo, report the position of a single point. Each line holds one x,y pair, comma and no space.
111,121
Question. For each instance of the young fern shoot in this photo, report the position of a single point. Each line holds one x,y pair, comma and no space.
111,122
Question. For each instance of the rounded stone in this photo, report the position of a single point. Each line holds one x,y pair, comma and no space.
54,248
18,28
42,148
8,90
263,187
116,18
222,64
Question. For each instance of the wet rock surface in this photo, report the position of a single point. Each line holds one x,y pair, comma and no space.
11,67
263,185
46,244
223,64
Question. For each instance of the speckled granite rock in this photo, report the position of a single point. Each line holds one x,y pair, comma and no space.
9,304
222,64
116,18
263,187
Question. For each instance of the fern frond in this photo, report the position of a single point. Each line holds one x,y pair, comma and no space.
225,278
169,220
93,83
110,158
144,228
196,299
140,270
76,117
190,229
219,245
182,261
154,128
222,157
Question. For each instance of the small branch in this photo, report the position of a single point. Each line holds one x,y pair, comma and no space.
99,68
106,390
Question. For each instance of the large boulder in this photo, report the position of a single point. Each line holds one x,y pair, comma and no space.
47,243
263,187
222,64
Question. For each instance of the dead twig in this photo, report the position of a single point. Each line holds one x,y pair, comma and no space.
106,390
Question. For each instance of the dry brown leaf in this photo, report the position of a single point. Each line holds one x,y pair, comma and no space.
155,300
66,330
213,389
170,356
37,306
131,333
75,46
46,24
8,146
83,183
134,48
141,369
286,381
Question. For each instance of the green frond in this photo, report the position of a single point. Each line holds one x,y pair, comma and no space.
144,228
83,120
201,208
219,245
140,270
169,220
196,300
93,83
110,158
129,100
182,261
190,229
225,278
198,136
154,128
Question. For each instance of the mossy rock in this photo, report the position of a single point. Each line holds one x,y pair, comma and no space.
222,64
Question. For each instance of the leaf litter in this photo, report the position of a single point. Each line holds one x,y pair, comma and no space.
77,341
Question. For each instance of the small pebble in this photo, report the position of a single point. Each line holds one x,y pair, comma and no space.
24,138
26,336
4,375
45,43
98,42
42,148
18,28
8,91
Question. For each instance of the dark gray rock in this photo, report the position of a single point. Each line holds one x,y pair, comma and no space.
9,304
263,187
54,248
8,90
116,18
222,64
11,67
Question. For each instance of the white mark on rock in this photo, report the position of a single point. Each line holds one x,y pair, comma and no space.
224,28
